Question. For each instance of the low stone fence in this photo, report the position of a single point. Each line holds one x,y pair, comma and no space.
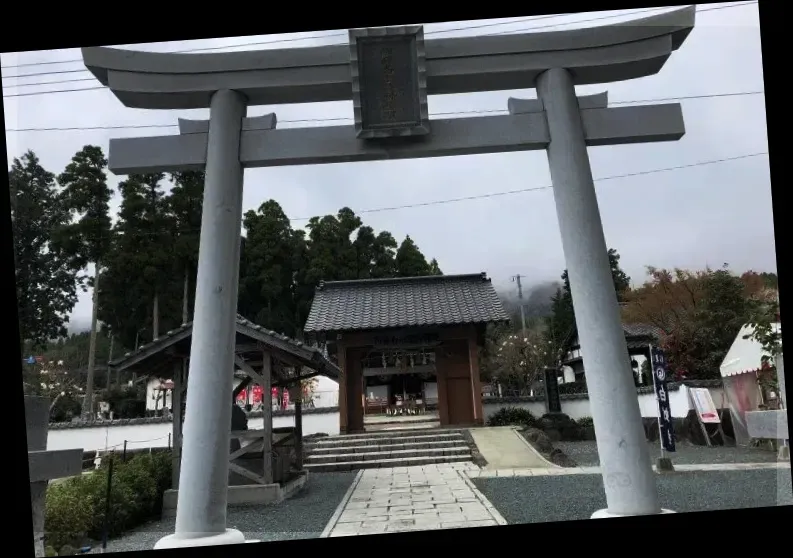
576,405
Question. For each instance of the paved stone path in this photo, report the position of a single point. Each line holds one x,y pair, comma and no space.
425,497
535,472
504,448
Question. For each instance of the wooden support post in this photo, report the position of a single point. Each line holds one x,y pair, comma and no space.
267,417
243,385
299,425
176,418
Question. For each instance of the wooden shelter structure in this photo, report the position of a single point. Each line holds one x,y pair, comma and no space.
262,357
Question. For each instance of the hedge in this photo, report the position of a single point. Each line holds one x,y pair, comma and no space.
512,416
75,508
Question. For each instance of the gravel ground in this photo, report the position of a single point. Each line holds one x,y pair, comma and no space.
303,516
571,497
585,454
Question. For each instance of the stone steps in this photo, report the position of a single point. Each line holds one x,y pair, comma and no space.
383,440
395,448
386,454
392,462
383,446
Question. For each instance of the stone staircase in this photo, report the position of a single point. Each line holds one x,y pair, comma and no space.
388,448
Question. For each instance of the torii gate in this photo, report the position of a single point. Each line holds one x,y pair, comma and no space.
392,123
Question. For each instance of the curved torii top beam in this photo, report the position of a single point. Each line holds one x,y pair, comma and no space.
605,54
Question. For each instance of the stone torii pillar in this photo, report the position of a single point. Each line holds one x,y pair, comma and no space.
201,513
388,74
44,465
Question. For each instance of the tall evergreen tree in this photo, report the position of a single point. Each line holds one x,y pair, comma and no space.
45,279
364,246
384,256
87,240
139,269
280,267
561,323
409,261
184,205
267,286
331,255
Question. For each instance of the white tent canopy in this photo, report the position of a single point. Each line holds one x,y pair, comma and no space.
745,355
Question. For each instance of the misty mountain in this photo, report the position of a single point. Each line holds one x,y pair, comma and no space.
78,325
536,299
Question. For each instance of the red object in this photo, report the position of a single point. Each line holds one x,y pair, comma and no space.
285,399
241,396
257,394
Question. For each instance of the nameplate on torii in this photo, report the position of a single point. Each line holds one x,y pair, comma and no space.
524,129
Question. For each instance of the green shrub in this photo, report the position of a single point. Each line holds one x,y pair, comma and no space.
75,508
65,409
67,516
585,422
50,551
512,416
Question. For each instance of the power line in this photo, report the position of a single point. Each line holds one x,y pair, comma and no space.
612,16
536,188
31,94
340,119
505,193
702,10
276,41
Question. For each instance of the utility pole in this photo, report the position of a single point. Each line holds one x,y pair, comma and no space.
516,279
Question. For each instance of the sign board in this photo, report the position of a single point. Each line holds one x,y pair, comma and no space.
665,424
389,82
553,401
414,340
394,371
703,404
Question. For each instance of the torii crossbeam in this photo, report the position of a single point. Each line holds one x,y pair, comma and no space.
524,129
388,74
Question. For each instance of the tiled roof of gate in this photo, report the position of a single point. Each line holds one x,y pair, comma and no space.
438,300
641,330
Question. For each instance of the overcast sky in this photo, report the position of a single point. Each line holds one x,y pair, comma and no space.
691,217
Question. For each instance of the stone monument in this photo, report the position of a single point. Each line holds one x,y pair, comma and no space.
388,73
44,465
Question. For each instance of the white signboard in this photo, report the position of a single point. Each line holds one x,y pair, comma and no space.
703,403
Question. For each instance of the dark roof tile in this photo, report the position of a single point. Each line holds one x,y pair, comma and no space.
405,302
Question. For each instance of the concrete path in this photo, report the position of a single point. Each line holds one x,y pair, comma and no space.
537,471
425,497
504,448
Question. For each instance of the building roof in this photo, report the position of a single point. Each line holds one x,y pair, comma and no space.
641,330
637,337
745,355
437,300
281,347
